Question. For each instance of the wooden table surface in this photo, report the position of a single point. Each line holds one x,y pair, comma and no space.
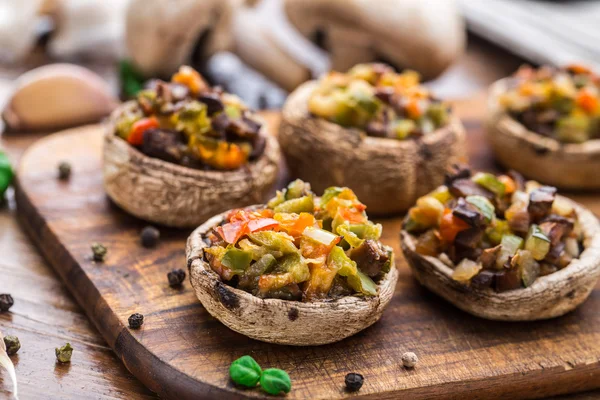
46,316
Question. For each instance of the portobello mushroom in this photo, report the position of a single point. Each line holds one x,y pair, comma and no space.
528,145
507,275
300,270
175,159
387,174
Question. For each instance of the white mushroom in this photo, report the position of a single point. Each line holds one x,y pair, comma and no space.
162,35
58,95
425,35
90,28
548,297
282,321
18,30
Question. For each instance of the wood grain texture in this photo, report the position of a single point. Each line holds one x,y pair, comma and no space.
182,352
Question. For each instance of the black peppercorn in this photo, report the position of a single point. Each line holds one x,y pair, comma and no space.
176,277
99,252
12,344
136,321
64,171
150,236
6,302
354,382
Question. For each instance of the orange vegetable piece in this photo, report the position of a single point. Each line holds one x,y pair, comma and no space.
450,226
225,156
509,184
294,224
579,69
353,215
413,109
587,101
262,224
321,279
189,77
136,135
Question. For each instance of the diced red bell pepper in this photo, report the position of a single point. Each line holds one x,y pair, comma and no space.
136,135
262,224
450,226
233,231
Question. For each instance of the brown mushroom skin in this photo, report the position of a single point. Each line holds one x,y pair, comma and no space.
549,296
387,175
173,195
282,321
544,159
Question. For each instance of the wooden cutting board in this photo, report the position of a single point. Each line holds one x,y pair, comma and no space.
182,352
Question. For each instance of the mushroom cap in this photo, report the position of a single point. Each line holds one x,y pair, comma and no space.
281,321
173,195
425,35
387,175
162,35
545,159
548,297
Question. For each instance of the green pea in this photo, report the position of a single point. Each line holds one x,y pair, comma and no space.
6,173
274,381
245,371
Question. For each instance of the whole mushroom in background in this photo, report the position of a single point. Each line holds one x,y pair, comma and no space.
424,35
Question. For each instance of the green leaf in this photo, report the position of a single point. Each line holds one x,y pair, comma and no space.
131,79
245,371
274,381
6,173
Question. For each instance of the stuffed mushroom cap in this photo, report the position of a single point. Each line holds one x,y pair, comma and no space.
173,195
549,296
281,321
388,175
545,159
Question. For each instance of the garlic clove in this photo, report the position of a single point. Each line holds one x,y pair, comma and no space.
58,95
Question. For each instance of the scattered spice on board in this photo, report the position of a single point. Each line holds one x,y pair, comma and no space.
12,344
64,353
64,171
6,302
99,252
136,321
149,236
409,359
176,277
354,382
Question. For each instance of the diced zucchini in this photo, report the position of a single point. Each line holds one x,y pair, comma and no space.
509,246
402,128
490,182
537,243
484,205
466,270
441,193
573,128
496,231
527,266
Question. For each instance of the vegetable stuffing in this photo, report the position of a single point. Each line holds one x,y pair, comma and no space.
383,103
495,231
187,122
563,104
300,247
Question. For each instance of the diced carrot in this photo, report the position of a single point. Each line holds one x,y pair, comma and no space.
450,226
509,184
413,109
136,135
189,77
587,101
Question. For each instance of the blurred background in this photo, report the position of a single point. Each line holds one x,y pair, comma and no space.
263,49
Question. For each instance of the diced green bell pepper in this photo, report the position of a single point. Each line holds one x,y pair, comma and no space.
302,204
277,200
296,189
438,113
573,129
497,230
237,260
276,241
349,236
295,265
329,194
357,280
537,243
402,128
